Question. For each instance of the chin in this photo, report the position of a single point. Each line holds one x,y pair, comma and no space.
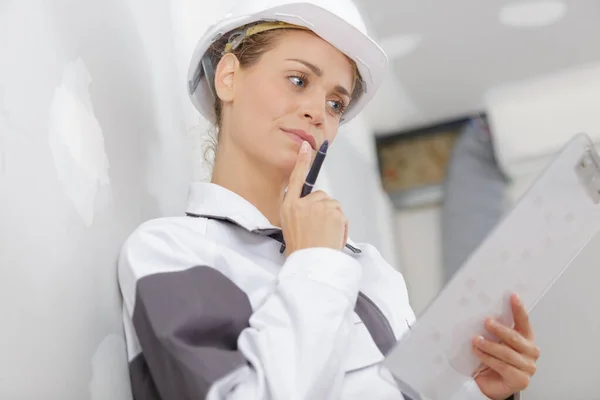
286,162
282,155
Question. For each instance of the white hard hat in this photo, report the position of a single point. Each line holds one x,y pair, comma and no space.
336,21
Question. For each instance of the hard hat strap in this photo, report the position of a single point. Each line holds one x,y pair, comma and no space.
237,37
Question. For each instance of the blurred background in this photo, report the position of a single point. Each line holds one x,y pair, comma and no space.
97,135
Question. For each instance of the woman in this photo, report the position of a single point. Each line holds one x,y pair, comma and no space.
214,305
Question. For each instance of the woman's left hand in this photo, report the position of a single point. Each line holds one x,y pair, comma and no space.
510,364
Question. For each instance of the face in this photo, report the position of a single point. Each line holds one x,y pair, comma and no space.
298,90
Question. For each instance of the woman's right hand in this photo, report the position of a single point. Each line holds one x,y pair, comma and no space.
315,220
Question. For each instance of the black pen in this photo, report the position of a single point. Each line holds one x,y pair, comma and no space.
311,178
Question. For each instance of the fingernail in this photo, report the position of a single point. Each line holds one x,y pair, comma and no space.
518,299
304,147
479,340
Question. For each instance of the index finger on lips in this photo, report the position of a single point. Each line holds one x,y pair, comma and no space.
299,173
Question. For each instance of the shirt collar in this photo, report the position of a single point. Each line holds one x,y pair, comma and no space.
214,201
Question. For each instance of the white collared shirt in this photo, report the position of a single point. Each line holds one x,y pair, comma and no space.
214,310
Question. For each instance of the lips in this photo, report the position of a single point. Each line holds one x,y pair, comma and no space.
304,136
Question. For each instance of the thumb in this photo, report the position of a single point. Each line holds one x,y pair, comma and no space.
300,171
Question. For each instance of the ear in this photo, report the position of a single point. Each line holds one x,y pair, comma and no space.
224,76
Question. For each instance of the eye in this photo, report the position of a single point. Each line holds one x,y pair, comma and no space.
337,106
299,80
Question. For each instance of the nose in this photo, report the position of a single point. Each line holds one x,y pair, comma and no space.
313,110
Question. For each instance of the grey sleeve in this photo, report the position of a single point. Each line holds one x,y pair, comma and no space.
187,323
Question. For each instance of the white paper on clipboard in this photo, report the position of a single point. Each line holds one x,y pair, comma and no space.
526,253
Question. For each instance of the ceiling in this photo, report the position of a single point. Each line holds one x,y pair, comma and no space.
457,50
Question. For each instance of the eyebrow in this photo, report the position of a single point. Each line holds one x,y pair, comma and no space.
319,72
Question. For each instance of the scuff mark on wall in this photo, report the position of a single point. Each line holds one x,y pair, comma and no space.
76,141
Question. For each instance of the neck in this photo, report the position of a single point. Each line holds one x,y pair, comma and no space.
260,184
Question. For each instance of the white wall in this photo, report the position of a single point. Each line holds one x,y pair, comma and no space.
419,249
94,136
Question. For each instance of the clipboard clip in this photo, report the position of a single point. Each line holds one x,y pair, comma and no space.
588,170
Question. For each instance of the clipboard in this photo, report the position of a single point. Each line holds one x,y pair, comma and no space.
526,253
